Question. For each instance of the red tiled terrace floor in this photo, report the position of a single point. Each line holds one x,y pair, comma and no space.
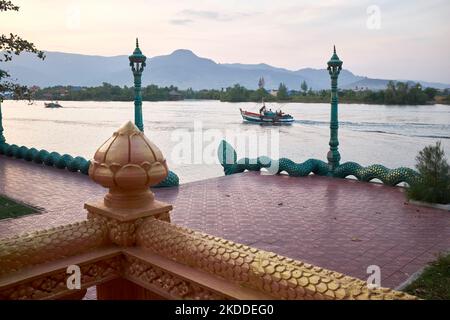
339,224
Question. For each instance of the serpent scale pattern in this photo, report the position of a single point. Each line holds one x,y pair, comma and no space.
228,159
65,161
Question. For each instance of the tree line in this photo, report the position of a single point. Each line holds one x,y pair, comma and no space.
395,93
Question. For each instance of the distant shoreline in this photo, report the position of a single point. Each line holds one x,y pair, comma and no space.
398,93
232,102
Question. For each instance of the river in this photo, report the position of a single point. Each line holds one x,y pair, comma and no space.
368,134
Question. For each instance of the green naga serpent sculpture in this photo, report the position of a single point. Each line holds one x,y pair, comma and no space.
228,159
73,164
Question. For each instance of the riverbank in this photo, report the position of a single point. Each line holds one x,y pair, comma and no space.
394,94
307,100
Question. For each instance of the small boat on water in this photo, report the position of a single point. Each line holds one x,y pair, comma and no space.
267,116
52,105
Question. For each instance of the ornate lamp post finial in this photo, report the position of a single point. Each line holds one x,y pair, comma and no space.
334,68
137,64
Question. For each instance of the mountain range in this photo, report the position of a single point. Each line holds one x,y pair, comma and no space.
181,68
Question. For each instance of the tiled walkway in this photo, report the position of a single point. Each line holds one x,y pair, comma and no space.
342,225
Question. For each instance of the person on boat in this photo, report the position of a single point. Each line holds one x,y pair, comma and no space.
262,110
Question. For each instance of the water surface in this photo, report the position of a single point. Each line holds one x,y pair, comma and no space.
368,134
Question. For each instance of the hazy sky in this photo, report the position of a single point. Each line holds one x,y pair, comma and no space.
401,39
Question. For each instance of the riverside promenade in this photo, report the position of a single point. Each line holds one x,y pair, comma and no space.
339,224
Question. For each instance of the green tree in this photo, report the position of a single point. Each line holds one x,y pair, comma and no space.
434,183
416,95
258,95
304,87
236,93
431,93
282,93
390,92
13,45
401,90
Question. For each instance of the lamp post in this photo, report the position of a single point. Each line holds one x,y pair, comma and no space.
137,64
334,68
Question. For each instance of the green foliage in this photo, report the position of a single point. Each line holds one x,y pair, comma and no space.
434,282
402,93
282,93
12,209
434,183
154,93
202,94
105,92
9,45
431,93
8,5
235,94
258,95
304,87
443,97
394,94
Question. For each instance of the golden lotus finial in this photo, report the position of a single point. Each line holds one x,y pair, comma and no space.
128,128
128,163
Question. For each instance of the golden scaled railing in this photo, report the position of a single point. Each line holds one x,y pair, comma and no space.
128,248
167,262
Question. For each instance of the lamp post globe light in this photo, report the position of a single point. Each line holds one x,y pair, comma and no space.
137,64
334,68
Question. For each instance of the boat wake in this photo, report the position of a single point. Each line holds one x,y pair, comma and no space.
408,129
